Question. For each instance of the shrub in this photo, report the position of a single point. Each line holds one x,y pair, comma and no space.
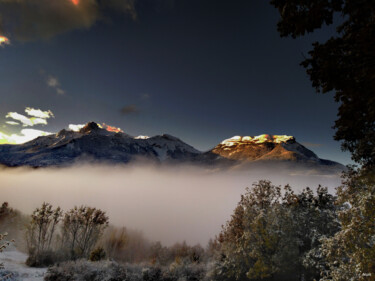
82,228
43,259
97,255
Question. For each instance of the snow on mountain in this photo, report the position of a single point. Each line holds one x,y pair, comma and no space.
257,139
284,151
263,147
94,142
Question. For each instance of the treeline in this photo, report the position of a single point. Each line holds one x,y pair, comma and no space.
277,234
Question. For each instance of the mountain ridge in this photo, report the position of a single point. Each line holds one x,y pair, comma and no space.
93,143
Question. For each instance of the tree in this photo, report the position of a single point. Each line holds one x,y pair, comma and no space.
275,234
350,254
41,229
82,228
3,246
344,64
251,241
115,241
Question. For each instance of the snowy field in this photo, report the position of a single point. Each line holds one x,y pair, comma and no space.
14,264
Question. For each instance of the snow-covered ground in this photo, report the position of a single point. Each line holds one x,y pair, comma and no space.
14,263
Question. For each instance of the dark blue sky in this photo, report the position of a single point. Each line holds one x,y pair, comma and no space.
203,70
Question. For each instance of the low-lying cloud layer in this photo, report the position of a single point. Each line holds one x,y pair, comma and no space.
167,204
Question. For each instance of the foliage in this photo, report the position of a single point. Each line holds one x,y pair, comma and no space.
12,222
40,233
272,233
3,246
105,270
97,254
125,245
344,64
350,254
6,213
82,228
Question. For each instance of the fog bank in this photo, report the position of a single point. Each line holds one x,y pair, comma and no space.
167,204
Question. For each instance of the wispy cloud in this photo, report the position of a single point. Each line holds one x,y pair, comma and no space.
39,113
145,96
26,121
54,83
129,109
13,123
38,117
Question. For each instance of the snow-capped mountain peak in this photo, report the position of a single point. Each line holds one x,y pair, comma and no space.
94,142
89,127
264,147
258,139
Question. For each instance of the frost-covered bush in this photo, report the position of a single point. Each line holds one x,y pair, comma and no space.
86,271
111,271
182,272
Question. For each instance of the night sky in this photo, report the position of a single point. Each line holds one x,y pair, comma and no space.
202,70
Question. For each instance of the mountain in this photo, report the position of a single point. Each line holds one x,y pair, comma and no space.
272,150
264,147
92,143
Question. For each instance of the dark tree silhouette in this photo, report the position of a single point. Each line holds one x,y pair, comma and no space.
344,64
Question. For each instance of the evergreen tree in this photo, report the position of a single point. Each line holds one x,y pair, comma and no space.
344,64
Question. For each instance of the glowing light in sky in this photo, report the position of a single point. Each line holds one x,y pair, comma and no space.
112,129
4,40
75,2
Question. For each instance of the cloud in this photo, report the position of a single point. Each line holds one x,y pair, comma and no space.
60,91
127,7
111,128
26,121
38,117
4,41
28,20
76,128
53,82
169,204
13,123
145,96
39,113
25,136
129,109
